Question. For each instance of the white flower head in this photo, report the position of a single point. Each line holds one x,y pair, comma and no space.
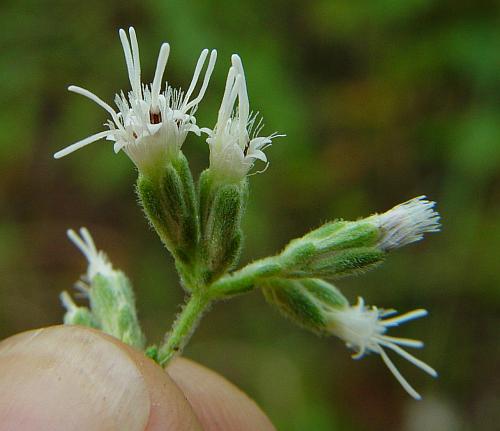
234,142
364,330
150,125
98,262
406,223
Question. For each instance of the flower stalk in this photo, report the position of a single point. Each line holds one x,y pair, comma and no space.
183,328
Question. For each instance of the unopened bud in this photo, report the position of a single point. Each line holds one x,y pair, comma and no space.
221,211
334,250
169,202
343,248
304,300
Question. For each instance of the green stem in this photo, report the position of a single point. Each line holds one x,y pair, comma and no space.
241,281
245,279
183,328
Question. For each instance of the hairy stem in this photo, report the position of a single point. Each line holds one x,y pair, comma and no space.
240,282
183,328
245,279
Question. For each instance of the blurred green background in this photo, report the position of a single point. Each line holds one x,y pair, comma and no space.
381,101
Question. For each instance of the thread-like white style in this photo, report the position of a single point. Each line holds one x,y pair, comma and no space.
234,142
364,330
68,302
150,125
98,262
406,223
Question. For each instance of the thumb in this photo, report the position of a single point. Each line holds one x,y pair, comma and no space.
71,378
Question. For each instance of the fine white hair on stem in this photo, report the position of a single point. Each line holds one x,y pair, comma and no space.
364,330
406,223
97,261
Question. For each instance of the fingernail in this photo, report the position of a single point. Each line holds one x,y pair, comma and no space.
69,378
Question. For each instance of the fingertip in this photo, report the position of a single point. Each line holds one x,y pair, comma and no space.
218,404
170,408
70,377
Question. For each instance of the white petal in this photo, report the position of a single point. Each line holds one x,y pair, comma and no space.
128,55
82,143
417,362
257,154
206,79
417,344
399,377
206,130
160,70
86,93
411,315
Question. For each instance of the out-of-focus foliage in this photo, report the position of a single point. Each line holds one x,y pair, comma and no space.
380,100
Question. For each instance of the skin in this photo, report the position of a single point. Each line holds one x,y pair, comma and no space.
72,378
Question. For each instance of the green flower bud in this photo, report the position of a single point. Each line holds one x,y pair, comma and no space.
221,210
304,300
112,302
169,202
334,250
342,248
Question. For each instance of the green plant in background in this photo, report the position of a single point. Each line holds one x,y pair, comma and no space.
200,224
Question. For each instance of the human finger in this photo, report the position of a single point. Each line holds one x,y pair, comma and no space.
72,378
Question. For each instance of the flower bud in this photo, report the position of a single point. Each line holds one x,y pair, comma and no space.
304,300
221,211
169,202
112,302
341,248
336,249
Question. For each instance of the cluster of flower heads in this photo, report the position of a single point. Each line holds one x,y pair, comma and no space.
150,124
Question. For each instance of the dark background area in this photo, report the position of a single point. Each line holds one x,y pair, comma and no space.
381,101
